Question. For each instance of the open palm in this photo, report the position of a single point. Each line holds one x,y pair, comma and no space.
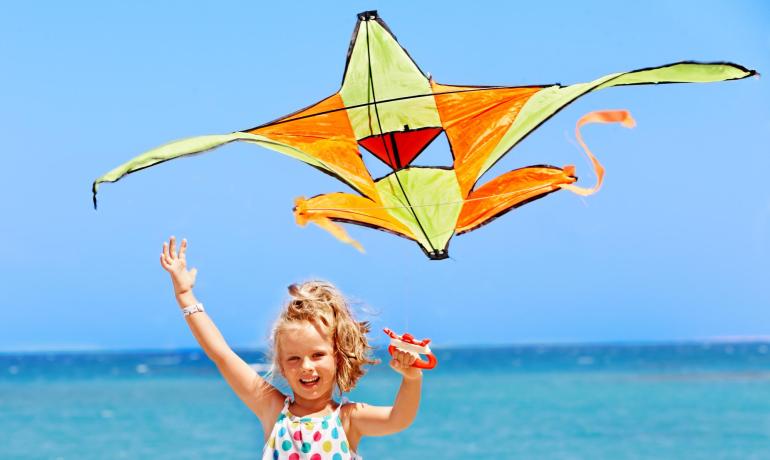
176,264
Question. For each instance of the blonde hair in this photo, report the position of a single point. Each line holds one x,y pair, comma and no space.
321,303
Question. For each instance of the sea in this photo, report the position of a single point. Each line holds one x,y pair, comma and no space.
604,401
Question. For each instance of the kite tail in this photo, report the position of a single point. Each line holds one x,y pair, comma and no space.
303,215
603,116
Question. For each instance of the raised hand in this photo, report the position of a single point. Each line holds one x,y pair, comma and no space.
176,264
402,361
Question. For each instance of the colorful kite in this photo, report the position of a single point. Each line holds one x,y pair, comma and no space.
393,110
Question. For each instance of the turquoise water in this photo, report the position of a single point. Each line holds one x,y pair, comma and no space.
693,401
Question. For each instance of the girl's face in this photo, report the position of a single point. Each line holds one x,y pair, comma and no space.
307,360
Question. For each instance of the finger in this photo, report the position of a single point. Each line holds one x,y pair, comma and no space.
163,262
172,247
397,355
193,274
394,364
166,255
183,249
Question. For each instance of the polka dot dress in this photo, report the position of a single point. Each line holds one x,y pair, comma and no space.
308,438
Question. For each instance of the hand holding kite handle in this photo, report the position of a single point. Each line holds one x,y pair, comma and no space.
407,342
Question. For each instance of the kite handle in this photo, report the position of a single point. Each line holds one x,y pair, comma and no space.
407,342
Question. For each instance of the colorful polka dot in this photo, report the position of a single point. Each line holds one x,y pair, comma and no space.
298,438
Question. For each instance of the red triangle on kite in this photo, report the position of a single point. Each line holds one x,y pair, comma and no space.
398,149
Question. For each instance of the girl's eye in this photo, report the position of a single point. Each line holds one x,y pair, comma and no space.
319,354
293,359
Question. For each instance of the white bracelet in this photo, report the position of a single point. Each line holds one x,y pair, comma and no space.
192,309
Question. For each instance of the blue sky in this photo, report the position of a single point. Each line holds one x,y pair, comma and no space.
676,246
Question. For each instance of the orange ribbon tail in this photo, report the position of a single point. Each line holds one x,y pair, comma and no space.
603,116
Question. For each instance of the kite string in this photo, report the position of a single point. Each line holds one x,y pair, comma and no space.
445,203
292,117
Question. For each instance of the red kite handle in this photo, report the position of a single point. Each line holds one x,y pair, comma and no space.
419,363
410,342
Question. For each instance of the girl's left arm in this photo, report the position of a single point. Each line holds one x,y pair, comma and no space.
366,420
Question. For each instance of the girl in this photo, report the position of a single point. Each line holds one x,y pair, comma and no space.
317,347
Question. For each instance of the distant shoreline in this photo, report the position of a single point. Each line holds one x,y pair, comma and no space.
726,340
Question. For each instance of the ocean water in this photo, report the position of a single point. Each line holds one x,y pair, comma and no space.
680,401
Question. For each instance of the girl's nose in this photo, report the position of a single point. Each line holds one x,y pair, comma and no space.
307,363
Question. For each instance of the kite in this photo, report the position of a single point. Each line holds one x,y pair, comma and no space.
389,108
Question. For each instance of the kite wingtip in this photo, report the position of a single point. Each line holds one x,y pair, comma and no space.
367,15
438,254
300,209
94,188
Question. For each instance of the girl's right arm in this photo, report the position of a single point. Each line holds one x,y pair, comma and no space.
262,398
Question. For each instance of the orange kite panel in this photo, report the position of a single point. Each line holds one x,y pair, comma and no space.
328,137
475,122
512,189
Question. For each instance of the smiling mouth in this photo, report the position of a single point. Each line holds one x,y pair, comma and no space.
309,382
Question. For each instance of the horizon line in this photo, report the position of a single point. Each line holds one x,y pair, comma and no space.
717,340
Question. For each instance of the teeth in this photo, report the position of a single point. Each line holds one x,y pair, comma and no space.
313,380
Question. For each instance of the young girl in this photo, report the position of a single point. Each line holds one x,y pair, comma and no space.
317,347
